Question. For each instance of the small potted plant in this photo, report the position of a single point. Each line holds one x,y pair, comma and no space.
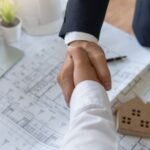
10,23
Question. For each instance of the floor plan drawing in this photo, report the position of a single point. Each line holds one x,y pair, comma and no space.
33,114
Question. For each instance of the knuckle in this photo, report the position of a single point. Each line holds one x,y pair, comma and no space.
59,77
100,54
97,55
62,75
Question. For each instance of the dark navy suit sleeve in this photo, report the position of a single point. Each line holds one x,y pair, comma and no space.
84,16
141,22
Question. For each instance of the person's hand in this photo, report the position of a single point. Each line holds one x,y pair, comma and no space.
65,78
97,59
83,69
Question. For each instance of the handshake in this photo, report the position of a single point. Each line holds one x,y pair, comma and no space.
84,61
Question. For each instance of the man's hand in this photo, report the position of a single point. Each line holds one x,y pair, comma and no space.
65,78
96,57
83,70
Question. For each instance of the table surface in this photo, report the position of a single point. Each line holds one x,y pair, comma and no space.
31,100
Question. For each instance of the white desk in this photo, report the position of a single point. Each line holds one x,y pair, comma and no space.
33,115
9,56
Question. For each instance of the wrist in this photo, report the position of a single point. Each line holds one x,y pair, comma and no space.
79,36
81,44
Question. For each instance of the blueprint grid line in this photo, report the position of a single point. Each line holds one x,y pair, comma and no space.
32,106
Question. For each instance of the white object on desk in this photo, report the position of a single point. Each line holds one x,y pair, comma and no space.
12,34
9,56
41,17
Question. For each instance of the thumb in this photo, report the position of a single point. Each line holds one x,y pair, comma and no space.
83,70
79,56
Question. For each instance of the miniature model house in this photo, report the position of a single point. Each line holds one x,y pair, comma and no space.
133,118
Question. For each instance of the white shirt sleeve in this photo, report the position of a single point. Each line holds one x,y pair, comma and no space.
91,121
74,36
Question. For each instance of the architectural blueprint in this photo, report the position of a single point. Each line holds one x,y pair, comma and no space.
33,114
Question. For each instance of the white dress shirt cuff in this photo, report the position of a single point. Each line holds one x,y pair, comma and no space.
88,94
74,36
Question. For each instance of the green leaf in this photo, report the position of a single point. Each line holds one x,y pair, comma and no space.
7,12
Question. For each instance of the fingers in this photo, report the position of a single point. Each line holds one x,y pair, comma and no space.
83,62
83,70
65,78
79,56
98,60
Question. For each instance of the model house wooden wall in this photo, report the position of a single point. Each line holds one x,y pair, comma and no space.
133,118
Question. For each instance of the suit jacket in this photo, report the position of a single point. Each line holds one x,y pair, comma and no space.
84,16
141,22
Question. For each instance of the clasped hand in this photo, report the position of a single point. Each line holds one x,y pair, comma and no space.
84,61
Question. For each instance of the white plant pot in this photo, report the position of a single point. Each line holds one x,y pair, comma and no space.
12,34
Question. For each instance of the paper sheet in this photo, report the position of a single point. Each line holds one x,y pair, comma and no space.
33,115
